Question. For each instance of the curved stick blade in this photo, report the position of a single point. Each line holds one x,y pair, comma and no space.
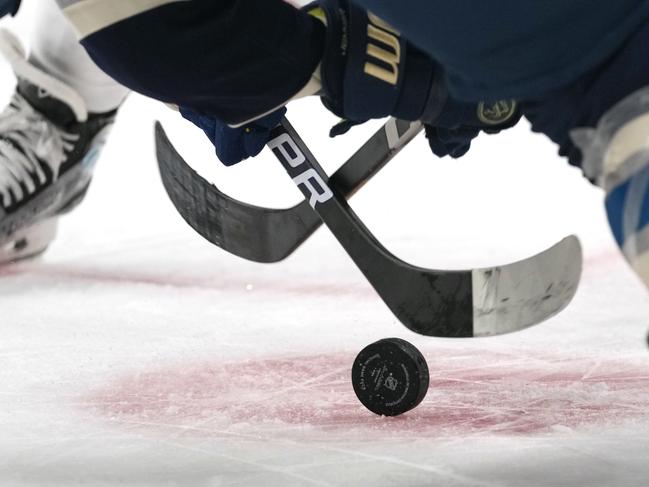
442,303
519,295
261,234
254,233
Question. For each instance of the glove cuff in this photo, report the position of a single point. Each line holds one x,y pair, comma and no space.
369,70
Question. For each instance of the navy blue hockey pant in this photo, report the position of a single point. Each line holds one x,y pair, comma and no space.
567,62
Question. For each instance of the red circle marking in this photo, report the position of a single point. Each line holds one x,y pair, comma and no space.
470,393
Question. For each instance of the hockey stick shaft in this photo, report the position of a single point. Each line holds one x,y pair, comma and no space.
371,258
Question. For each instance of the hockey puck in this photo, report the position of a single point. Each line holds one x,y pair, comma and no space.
390,377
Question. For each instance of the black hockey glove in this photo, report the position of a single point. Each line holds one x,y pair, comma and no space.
235,144
459,123
370,71
9,7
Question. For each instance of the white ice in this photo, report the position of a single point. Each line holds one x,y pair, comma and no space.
136,354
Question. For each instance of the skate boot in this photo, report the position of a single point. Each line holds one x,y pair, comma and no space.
48,147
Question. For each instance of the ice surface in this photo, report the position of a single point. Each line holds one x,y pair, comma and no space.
135,354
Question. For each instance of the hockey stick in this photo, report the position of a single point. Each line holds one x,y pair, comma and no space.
468,303
264,234
208,211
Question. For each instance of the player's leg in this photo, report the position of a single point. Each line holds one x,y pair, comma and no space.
51,132
617,159
600,124
56,49
221,58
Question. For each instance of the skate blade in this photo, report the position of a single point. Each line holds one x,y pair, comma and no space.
29,242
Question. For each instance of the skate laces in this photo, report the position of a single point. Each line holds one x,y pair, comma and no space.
28,141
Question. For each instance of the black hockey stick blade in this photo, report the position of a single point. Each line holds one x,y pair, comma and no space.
439,303
264,234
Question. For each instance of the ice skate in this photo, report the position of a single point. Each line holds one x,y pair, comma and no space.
48,147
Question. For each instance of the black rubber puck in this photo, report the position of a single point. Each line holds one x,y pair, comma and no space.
390,377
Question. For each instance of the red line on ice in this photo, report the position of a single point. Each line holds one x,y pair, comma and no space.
215,281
